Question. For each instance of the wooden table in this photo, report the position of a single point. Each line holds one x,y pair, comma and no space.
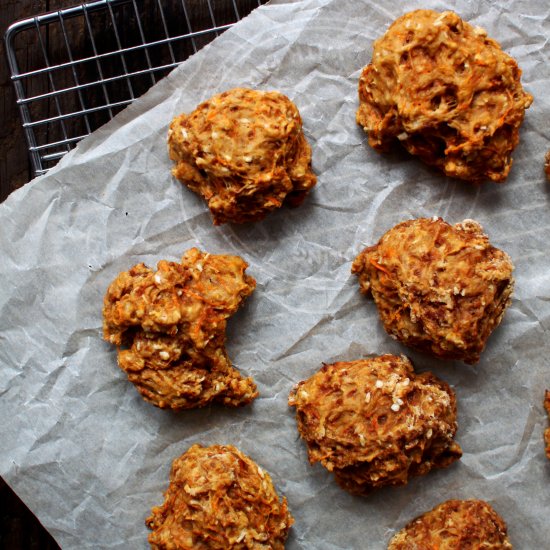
19,529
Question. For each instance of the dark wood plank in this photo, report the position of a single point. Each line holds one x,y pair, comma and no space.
14,167
19,528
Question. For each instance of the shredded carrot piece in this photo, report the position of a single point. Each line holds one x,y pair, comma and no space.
378,266
396,315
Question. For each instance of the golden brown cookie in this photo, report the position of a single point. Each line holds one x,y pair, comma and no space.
447,93
439,288
375,422
455,525
547,165
547,431
169,328
244,152
219,499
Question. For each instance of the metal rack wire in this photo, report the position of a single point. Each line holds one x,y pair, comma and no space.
96,58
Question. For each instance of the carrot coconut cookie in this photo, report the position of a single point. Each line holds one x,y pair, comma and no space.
439,288
169,328
447,92
455,525
219,499
375,422
244,152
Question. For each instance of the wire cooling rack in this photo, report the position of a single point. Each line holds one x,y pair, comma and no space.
94,59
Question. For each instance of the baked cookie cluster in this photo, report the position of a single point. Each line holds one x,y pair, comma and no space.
439,288
455,525
244,152
375,422
445,91
218,499
169,329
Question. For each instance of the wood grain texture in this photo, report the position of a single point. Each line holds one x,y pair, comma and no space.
19,528
14,166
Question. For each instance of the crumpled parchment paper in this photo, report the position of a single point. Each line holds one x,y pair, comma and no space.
90,457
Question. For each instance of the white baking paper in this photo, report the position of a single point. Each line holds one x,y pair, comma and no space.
90,457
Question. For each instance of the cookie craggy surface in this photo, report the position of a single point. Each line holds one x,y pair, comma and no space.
375,422
455,525
219,499
169,327
245,152
447,92
439,288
